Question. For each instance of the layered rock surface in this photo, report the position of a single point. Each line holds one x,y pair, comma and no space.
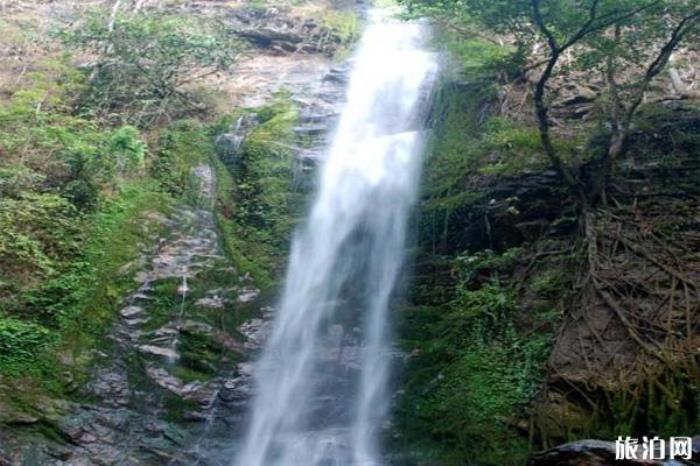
171,381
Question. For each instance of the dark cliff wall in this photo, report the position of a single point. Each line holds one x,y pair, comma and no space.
533,322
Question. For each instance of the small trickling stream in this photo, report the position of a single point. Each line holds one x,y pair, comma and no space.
321,381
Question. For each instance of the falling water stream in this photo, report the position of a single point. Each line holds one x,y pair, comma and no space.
321,381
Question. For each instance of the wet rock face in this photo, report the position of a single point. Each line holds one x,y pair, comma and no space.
508,212
172,349
172,379
229,145
316,89
280,32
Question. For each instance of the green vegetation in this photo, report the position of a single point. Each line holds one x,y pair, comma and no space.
470,139
145,60
70,309
515,148
343,24
72,194
81,189
182,146
473,372
36,234
628,42
499,275
256,194
94,157
20,341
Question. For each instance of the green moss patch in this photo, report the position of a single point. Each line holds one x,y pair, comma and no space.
257,202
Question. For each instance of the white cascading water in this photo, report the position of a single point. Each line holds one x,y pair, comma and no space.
321,381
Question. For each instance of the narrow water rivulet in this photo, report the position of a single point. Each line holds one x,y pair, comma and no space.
321,380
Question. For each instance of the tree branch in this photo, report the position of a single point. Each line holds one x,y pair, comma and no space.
657,65
541,109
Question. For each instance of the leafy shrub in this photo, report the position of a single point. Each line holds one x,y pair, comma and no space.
182,146
479,396
82,192
21,342
509,148
82,300
37,231
16,179
37,134
48,149
99,160
473,372
146,59
469,264
126,148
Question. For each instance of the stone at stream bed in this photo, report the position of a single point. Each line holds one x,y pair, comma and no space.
234,390
256,331
195,416
163,379
131,311
338,75
212,334
134,323
166,331
112,383
311,130
197,327
247,294
212,303
246,369
201,393
149,437
159,351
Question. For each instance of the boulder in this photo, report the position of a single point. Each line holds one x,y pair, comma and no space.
159,351
247,294
279,32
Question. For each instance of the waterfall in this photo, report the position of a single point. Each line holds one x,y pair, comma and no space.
321,380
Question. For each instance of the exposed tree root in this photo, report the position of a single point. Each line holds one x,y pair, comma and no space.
629,340
639,295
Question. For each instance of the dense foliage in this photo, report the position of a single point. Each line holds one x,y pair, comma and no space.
78,179
628,42
504,264
144,60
